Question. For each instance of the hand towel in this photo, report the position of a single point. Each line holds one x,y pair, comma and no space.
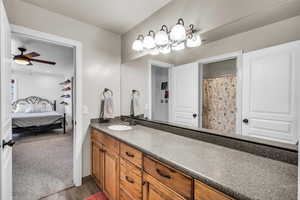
108,111
135,109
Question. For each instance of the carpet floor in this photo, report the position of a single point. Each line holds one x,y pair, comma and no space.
42,165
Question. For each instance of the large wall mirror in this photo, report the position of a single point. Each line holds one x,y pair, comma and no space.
246,94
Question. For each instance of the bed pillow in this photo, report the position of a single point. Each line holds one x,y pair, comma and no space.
21,108
34,108
46,107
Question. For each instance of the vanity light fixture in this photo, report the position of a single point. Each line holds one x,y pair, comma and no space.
164,40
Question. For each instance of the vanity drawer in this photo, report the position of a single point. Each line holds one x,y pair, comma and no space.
97,135
131,154
109,142
130,179
204,192
170,177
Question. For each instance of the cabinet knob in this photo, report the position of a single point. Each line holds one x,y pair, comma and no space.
194,115
246,121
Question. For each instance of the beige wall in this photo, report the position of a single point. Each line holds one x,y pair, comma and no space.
101,56
217,19
270,35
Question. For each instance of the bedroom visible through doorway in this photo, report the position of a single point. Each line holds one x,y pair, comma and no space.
42,93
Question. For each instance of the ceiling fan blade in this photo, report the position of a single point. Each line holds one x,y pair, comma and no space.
43,61
32,54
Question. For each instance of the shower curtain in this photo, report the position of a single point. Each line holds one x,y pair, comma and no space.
219,104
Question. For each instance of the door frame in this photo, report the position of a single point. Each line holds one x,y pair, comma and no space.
77,46
158,64
238,55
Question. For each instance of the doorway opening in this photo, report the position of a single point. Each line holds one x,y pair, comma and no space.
219,90
43,115
159,88
160,93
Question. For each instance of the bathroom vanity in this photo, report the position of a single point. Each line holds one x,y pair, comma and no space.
149,164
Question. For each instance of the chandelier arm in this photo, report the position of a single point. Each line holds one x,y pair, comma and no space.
151,33
164,28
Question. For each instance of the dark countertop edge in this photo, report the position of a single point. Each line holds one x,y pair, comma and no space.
264,142
226,190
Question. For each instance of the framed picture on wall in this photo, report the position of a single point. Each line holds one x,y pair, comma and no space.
14,95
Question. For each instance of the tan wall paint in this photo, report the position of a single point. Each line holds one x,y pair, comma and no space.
270,35
101,56
217,19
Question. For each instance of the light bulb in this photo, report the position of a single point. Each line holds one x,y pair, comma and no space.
148,42
21,60
154,52
178,47
161,38
165,50
137,45
178,33
194,41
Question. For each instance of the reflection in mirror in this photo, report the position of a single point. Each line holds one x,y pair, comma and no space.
219,96
237,94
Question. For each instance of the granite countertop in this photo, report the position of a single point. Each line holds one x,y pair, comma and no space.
239,174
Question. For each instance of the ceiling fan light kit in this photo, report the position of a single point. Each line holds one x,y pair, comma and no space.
27,59
165,41
21,60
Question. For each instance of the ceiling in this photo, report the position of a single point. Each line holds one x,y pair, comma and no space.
63,56
118,16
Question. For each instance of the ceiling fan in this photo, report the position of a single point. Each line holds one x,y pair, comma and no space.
28,58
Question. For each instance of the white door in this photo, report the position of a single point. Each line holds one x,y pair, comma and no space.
269,92
184,95
5,109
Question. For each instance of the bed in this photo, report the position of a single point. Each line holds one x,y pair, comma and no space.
35,114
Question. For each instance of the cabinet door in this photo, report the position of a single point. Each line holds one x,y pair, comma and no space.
111,175
96,161
154,190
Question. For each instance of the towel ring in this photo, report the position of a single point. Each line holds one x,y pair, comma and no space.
107,90
135,92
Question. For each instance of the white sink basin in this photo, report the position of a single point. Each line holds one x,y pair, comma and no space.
119,127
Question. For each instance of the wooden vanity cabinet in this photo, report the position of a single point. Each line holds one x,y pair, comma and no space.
125,173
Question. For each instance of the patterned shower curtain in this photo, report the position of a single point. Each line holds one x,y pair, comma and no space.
219,104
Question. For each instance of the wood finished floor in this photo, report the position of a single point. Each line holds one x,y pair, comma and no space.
87,189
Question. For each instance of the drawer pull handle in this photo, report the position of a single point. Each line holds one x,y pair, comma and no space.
129,154
129,179
162,174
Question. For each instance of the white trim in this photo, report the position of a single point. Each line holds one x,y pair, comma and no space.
238,55
158,64
220,58
78,135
